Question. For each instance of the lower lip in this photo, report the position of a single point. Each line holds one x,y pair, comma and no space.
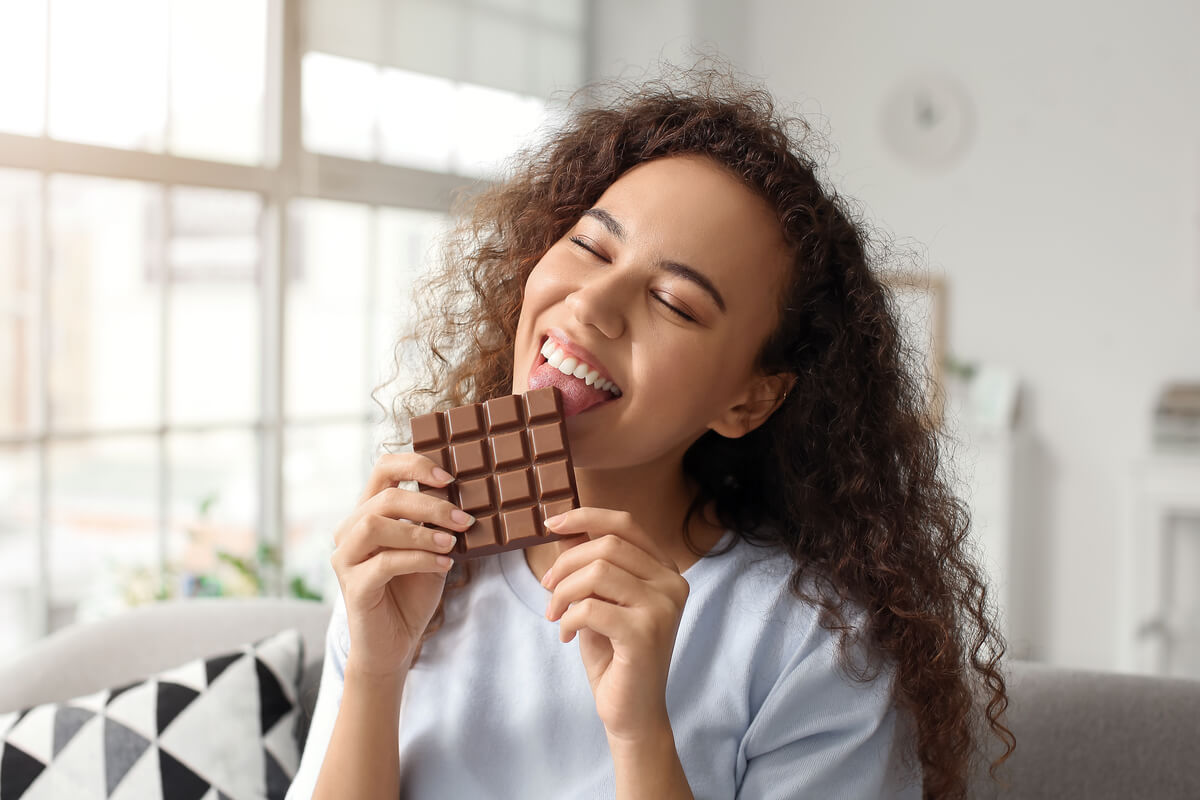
573,404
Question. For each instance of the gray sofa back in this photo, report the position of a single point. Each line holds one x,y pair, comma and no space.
1080,735
1085,735
86,658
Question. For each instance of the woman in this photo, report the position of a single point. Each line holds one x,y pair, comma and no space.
765,592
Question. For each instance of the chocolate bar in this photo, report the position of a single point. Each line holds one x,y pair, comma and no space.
511,464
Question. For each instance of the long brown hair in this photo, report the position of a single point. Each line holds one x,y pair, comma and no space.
844,475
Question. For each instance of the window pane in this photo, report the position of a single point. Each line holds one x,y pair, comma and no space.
489,42
108,72
20,242
408,242
510,6
428,37
326,349
417,120
492,124
18,548
105,330
567,13
217,103
23,53
325,469
339,99
498,49
103,522
558,63
348,28
213,327
214,507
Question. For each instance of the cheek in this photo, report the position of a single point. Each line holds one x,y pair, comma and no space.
682,385
545,285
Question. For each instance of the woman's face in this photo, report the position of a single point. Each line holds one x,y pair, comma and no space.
672,237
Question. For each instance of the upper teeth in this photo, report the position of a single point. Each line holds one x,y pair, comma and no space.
569,365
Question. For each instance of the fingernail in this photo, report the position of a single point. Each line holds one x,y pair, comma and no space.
546,579
443,539
461,517
553,521
441,475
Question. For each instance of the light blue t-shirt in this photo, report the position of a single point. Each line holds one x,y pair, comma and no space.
497,707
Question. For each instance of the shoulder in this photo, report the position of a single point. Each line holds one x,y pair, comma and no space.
758,585
808,696
783,625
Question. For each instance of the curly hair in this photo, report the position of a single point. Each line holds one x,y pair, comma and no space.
844,475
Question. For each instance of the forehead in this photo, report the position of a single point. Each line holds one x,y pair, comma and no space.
692,210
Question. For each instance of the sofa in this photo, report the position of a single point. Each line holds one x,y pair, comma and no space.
1080,734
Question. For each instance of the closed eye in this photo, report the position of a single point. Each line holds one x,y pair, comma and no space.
578,242
677,311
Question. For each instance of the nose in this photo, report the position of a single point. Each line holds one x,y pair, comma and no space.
601,302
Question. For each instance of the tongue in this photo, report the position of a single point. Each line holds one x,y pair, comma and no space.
577,395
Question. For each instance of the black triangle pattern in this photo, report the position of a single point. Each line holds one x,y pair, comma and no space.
184,784
215,666
172,699
67,722
18,770
273,702
120,690
122,748
277,778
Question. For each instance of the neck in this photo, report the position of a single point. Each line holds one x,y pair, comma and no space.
657,496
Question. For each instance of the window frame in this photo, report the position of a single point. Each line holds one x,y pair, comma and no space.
288,173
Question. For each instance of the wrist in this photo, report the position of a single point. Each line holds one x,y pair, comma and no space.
647,765
654,737
388,682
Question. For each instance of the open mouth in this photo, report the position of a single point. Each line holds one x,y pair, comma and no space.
583,386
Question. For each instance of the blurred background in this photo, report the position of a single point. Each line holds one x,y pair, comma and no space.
212,213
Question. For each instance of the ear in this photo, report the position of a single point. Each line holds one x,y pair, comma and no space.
762,396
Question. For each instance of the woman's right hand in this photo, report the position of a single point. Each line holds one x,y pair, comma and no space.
391,568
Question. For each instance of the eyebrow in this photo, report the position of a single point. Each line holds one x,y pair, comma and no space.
614,226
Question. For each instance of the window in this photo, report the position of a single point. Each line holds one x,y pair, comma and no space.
204,263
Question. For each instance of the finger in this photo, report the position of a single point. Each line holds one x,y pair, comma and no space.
600,579
611,548
373,533
369,577
422,508
392,469
597,522
615,622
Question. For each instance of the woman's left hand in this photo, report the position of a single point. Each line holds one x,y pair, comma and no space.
624,599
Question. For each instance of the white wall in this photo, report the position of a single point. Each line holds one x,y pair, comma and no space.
1067,233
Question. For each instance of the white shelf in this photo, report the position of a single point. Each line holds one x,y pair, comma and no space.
1160,558
988,461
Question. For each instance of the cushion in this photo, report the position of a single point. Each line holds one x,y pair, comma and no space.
213,728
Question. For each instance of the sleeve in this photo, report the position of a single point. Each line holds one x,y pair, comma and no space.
329,699
819,734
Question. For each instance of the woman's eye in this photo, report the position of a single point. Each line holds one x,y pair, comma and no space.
677,311
578,242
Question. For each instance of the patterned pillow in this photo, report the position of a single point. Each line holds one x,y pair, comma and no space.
213,729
